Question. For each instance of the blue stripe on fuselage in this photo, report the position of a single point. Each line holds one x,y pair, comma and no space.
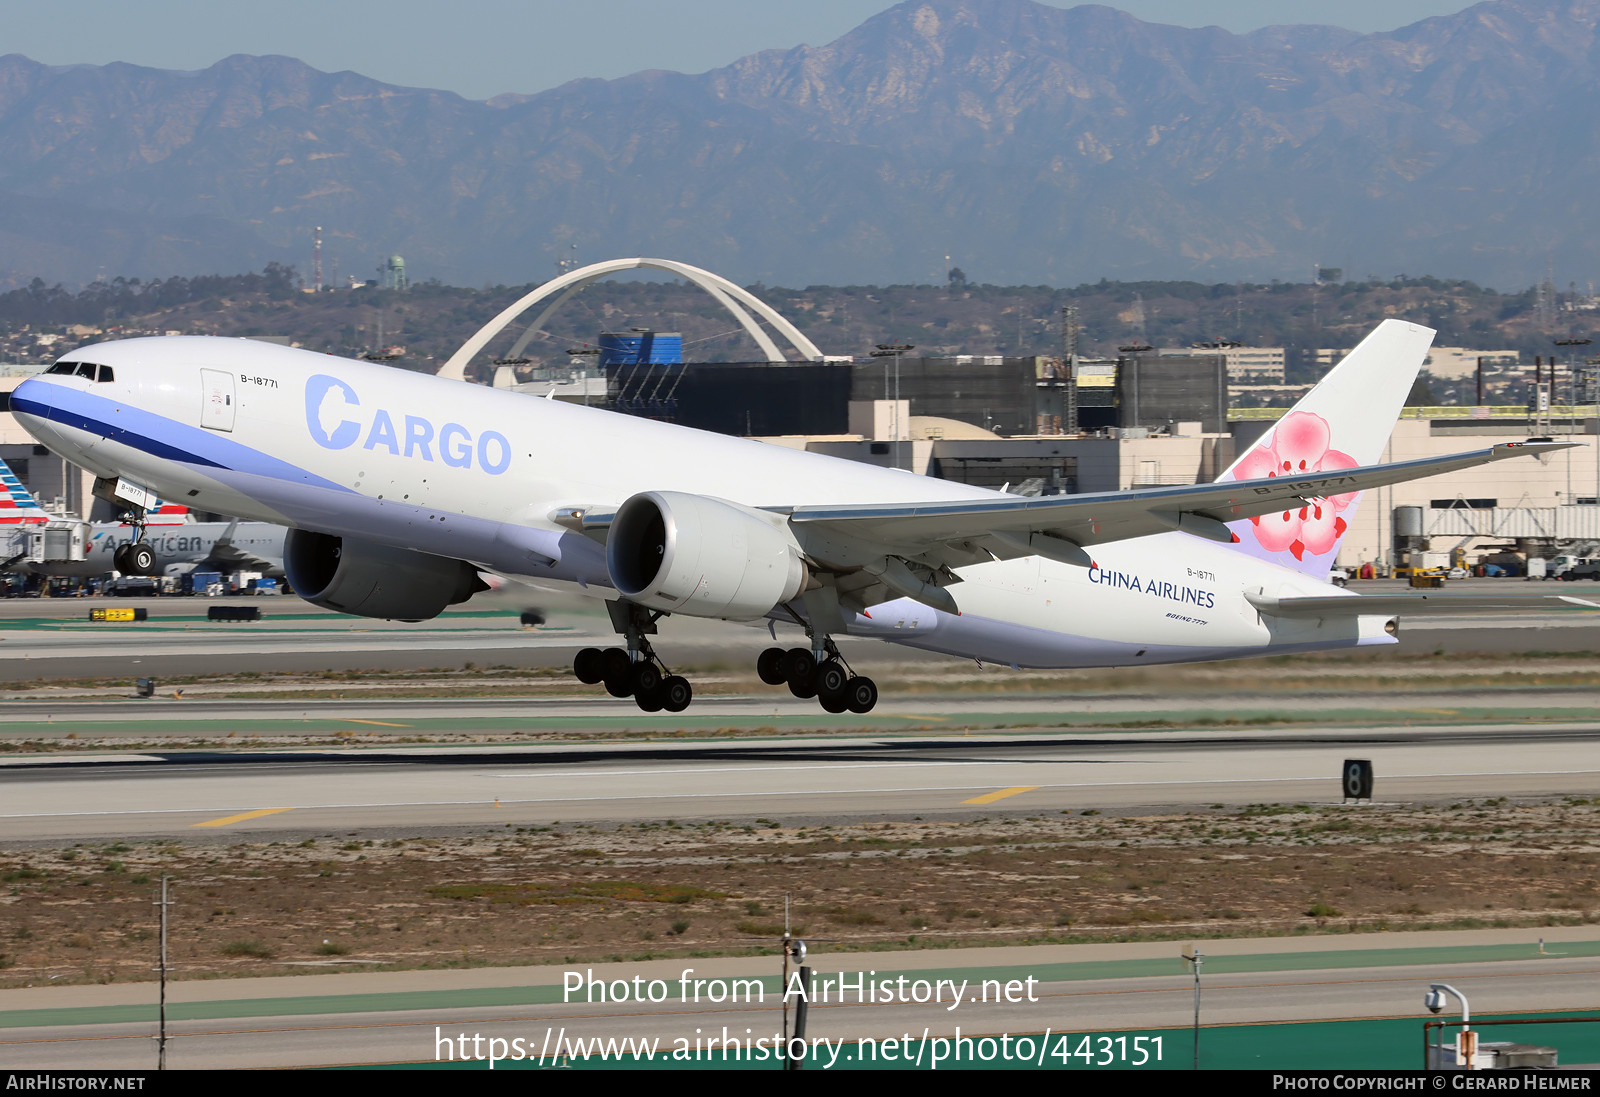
154,434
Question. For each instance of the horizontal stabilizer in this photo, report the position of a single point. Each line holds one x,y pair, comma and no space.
1413,605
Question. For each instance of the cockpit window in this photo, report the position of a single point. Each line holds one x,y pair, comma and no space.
82,369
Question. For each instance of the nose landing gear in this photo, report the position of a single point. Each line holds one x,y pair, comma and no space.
136,557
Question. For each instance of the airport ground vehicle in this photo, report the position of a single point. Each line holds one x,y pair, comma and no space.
1585,569
171,541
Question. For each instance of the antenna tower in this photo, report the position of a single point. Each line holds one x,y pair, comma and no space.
1069,365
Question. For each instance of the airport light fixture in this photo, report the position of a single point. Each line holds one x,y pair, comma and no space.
1194,957
894,350
1466,1039
793,949
161,956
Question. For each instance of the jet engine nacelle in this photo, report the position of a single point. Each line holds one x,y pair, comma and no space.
370,580
683,553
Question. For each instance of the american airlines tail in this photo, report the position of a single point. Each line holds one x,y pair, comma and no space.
167,514
17,505
1344,422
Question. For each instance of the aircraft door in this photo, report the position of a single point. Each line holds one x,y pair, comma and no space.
216,399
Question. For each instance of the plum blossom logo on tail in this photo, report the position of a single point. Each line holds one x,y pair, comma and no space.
1299,445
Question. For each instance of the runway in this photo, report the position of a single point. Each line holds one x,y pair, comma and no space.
277,794
54,638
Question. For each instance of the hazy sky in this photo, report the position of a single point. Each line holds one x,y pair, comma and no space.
480,48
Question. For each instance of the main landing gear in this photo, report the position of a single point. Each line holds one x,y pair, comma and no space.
829,679
635,671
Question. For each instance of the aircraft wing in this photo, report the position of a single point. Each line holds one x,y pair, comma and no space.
1357,605
231,558
1062,526
225,554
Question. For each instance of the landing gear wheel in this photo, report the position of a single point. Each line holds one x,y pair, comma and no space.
798,663
769,666
650,700
119,560
142,558
832,684
618,672
861,695
800,670
589,666
646,678
676,693
614,662
831,679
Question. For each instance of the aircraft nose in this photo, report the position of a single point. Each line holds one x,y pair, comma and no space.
36,405
30,402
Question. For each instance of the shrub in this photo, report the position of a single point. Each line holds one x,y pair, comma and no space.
252,947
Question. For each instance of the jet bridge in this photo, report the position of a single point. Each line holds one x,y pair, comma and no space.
60,540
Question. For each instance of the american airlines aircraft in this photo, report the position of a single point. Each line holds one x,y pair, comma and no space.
400,488
173,541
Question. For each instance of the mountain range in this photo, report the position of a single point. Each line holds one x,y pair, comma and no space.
1029,144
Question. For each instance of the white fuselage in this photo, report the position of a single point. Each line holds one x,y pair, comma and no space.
461,471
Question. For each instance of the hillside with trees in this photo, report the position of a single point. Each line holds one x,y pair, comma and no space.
430,320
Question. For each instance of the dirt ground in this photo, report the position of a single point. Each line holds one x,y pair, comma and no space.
574,893
1356,672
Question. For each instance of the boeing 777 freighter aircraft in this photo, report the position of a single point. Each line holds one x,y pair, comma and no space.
401,487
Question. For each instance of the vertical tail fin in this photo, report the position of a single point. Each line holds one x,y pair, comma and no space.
17,505
166,514
1342,423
